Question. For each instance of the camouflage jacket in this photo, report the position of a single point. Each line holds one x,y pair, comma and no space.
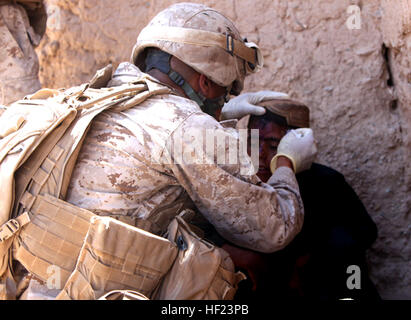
140,163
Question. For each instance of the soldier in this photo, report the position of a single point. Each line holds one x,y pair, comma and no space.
145,189
129,168
22,24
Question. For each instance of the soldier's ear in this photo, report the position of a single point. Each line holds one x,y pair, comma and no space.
205,85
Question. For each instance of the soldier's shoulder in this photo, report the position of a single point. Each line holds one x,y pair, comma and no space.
170,106
174,101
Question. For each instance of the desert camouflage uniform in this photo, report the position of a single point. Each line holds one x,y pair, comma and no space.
19,64
118,173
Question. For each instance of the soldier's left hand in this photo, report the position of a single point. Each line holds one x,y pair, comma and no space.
247,103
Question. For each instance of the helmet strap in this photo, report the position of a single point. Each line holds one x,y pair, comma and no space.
161,61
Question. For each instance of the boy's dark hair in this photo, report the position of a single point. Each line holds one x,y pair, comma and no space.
270,117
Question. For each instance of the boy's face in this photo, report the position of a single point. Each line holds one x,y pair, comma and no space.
270,134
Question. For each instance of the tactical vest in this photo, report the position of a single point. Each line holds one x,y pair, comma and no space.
41,139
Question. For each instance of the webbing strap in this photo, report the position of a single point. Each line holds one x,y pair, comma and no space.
75,218
55,235
129,90
36,170
200,38
47,150
8,229
131,262
154,88
54,249
137,281
31,262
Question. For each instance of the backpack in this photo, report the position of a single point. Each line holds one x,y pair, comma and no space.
40,137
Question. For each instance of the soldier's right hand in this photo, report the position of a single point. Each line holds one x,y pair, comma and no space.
299,146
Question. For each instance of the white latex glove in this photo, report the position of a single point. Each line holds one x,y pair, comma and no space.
299,146
246,103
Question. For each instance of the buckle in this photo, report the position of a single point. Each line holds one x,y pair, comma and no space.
230,44
181,243
8,229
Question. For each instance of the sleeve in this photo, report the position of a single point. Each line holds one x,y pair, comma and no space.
243,210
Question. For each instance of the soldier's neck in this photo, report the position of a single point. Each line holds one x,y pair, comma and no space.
162,77
189,74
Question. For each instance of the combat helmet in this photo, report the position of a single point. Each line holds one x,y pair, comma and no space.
205,40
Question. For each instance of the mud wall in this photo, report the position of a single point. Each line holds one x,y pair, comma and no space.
352,68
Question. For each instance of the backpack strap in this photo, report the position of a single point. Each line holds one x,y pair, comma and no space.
8,229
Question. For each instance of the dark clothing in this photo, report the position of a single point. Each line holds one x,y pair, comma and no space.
336,233
333,209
